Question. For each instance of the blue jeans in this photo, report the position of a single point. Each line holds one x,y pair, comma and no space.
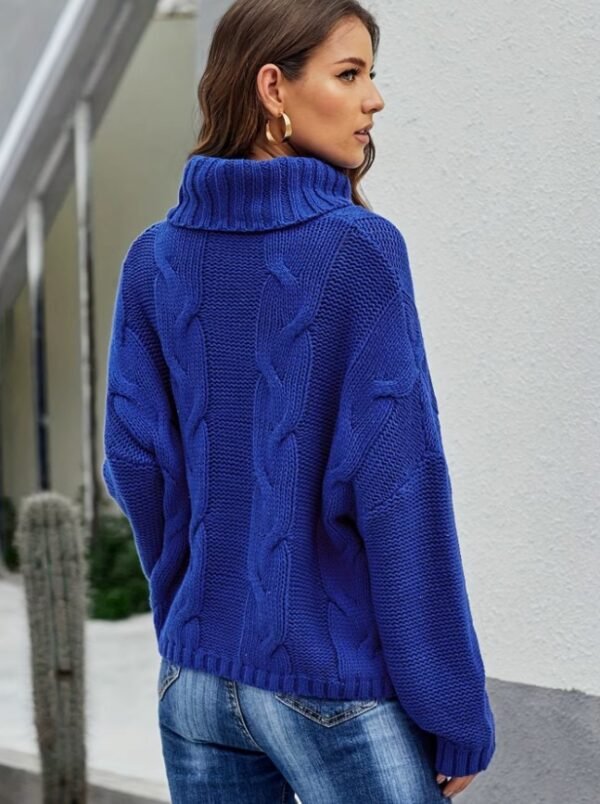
224,741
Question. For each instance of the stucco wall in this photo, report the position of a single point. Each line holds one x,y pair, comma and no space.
488,161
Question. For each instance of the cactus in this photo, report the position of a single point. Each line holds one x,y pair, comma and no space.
52,559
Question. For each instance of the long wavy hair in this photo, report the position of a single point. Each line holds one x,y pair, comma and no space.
256,32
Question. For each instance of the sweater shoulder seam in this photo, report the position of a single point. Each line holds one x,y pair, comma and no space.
385,502
113,457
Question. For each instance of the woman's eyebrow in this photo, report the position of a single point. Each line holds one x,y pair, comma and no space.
354,60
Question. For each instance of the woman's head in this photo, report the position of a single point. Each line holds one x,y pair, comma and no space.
268,57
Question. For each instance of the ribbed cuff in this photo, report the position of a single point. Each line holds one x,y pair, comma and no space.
453,759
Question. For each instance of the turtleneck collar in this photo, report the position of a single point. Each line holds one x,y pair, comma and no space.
241,195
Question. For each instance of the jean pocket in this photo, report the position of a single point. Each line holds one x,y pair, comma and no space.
168,673
326,711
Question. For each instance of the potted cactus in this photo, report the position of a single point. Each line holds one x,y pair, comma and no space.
52,559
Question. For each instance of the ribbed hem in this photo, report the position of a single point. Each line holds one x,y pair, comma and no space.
239,195
456,760
198,658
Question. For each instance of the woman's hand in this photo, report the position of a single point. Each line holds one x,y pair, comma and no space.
456,784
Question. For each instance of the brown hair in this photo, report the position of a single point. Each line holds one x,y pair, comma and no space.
256,32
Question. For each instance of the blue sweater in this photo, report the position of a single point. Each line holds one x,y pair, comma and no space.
272,435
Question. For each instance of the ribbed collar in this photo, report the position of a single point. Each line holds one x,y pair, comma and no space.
241,195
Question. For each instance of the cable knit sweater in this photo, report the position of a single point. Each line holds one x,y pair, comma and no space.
272,435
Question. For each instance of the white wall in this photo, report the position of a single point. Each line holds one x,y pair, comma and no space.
488,161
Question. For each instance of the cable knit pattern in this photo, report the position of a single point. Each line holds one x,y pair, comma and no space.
272,434
282,350
145,472
177,306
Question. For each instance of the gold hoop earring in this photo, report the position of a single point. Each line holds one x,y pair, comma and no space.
288,130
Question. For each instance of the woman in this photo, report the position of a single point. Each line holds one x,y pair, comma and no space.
272,434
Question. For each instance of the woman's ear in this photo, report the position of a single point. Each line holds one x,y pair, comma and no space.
269,89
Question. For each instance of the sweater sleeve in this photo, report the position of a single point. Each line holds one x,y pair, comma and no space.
139,414
404,512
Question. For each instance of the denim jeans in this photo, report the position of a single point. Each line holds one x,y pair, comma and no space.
225,741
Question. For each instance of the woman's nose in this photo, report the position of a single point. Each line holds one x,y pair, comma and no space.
377,104
380,103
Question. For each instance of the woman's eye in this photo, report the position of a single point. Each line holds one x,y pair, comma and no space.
354,72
